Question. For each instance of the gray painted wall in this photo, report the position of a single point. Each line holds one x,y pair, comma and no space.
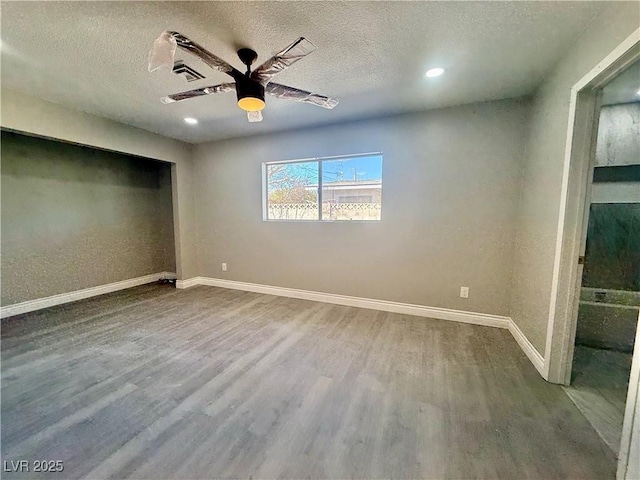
542,177
75,217
184,212
24,113
450,188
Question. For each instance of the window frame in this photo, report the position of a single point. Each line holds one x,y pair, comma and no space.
318,160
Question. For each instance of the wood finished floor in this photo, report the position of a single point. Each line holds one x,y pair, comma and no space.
154,382
599,385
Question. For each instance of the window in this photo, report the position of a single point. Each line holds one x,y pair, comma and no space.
331,188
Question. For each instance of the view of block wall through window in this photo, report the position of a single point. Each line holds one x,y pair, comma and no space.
331,188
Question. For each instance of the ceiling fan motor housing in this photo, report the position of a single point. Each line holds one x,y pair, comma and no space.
247,56
250,94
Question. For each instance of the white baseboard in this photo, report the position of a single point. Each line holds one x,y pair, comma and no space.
527,347
384,305
39,303
190,282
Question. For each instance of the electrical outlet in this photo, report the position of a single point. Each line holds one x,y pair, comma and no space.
224,267
464,292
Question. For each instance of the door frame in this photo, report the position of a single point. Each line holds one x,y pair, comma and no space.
576,183
571,236
630,425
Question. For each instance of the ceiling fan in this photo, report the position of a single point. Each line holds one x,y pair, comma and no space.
250,86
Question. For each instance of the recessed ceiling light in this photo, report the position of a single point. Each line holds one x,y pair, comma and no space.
190,121
638,93
435,72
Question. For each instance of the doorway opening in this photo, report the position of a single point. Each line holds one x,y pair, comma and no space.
608,297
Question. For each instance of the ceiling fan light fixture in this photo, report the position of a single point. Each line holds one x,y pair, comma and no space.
251,104
250,94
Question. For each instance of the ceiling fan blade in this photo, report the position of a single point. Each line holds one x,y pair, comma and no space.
283,59
199,92
254,116
163,52
207,57
283,91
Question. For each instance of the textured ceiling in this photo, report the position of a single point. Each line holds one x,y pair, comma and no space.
92,56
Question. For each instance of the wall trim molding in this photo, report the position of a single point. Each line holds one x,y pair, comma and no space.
40,303
527,347
631,417
168,276
189,282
